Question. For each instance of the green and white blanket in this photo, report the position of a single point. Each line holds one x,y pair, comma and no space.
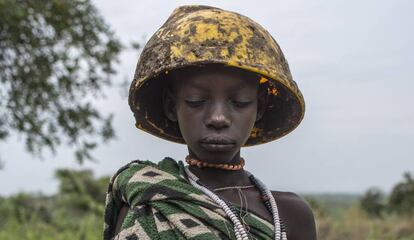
163,205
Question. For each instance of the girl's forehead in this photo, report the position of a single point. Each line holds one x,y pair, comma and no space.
213,76
217,83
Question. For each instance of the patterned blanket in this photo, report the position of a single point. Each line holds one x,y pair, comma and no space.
163,205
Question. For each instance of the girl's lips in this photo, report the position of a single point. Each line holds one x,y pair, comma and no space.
217,140
217,147
217,143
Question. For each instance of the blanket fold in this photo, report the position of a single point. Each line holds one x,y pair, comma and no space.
164,205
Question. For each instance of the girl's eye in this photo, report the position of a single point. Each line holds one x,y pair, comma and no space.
194,103
241,104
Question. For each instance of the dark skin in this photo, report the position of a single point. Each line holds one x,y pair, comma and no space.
216,108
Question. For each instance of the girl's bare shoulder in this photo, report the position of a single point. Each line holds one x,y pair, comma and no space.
297,215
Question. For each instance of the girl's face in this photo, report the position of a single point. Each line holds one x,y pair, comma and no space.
216,109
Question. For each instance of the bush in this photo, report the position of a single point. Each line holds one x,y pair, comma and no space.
402,197
373,202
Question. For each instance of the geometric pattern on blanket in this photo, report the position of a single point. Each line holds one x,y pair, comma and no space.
164,205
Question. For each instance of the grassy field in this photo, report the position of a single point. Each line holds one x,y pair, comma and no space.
76,212
340,217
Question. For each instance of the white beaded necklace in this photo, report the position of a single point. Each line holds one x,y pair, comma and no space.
239,230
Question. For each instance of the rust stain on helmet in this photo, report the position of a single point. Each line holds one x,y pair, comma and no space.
202,35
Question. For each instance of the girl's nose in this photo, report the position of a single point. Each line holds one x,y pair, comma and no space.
218,117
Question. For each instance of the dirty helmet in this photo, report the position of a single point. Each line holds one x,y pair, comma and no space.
202,35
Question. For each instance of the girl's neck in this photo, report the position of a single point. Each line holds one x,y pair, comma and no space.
216,178
234,160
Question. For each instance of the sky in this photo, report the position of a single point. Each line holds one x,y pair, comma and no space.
353,61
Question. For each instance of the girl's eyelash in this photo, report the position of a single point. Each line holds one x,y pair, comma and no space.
195,103
241,103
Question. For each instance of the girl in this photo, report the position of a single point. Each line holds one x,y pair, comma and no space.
215,81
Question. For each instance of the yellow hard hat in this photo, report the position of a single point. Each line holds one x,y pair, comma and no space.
202,35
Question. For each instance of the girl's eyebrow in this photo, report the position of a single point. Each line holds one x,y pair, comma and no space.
207,89
241,86
201,85
197,86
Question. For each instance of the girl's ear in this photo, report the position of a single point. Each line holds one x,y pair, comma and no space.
261,104
169,105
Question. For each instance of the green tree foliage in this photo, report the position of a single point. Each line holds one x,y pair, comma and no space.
401,199
373,202
81,191
55,57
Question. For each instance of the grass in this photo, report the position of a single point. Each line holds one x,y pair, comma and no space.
76,212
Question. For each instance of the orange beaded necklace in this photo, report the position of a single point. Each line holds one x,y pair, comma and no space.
201,164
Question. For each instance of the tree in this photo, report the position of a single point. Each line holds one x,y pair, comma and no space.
401,199
373,202
55,57
80,190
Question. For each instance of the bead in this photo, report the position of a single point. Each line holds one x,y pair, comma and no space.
239,230
200,164
265,198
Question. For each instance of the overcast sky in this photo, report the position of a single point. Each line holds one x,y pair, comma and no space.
353,61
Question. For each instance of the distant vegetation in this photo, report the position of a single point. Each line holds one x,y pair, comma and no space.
76,212
373,216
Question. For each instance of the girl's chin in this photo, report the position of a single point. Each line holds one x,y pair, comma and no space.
216,157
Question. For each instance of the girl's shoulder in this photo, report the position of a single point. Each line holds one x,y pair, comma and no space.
138,182
139,174
167,165
296,215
